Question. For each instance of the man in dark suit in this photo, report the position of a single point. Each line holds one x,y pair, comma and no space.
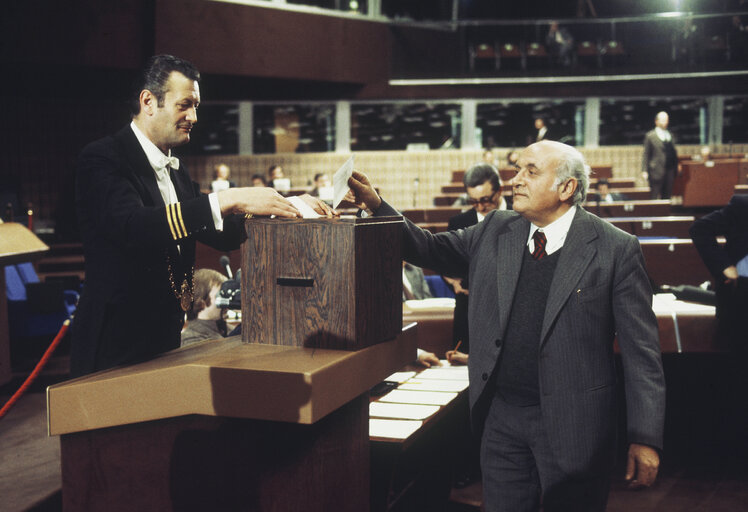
660,159
139,215
729,266
484,194
551,286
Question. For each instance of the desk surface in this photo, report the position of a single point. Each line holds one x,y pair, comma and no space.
226,378
684,326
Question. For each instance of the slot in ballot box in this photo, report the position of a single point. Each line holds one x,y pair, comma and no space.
324,283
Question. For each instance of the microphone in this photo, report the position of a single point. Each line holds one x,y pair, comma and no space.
224,262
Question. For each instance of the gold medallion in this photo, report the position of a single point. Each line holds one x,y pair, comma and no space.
185,298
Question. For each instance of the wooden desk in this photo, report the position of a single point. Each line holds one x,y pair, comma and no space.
701,184
640,208
674,261
417,469
684,326
671,226
223,425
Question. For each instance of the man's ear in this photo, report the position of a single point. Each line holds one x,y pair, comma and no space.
148,102
567,189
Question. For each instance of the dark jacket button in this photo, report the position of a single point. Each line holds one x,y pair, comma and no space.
484,376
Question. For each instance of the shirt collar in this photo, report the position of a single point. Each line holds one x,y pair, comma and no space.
156,157
556,231
663,135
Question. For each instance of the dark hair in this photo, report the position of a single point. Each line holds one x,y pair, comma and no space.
258,177
478,174
318,175
271,168
155,75
602,181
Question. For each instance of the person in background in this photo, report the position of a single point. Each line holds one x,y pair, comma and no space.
322,188
277,179
560,45
660,159
258,180
205,320
728,264
542,130
415,286
604,195
221,173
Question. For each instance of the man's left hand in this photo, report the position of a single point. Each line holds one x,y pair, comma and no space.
642,466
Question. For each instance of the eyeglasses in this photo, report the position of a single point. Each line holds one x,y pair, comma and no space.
485,200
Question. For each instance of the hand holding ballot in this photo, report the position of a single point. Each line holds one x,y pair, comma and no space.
362,193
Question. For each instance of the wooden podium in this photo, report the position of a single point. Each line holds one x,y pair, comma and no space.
17,244
228,424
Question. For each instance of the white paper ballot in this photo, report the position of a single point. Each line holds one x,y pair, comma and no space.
400,376
393,429
434,385
340,182
418,397
401,411
306,211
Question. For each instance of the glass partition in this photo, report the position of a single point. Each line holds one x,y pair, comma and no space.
507,124
625,121
293,128
393,126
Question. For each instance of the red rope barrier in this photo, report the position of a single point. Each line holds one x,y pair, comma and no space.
42,362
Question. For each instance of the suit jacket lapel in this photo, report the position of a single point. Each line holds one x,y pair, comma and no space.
139,164
512,241
575,257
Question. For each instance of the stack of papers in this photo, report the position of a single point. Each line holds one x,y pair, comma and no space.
401,412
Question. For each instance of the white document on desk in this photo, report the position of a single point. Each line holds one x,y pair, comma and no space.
448,373
340,182
434,385
393,429
401,411
400,376
418,397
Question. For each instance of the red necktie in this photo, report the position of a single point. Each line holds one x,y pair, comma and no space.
539,239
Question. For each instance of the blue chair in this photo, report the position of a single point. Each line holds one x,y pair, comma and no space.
35,308
438,287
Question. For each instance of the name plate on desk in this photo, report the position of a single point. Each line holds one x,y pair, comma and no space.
324,283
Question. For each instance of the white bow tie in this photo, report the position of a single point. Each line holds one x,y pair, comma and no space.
169,161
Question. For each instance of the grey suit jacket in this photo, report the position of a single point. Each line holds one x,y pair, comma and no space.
655,156
600,290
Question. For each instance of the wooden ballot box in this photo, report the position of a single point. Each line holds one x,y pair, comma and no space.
322,283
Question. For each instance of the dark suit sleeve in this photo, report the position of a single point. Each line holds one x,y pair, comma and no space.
113,203
446,253
704,233
638,339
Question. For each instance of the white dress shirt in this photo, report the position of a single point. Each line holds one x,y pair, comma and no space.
555,232
161,164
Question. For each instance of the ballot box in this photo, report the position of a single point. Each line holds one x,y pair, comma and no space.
322,283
